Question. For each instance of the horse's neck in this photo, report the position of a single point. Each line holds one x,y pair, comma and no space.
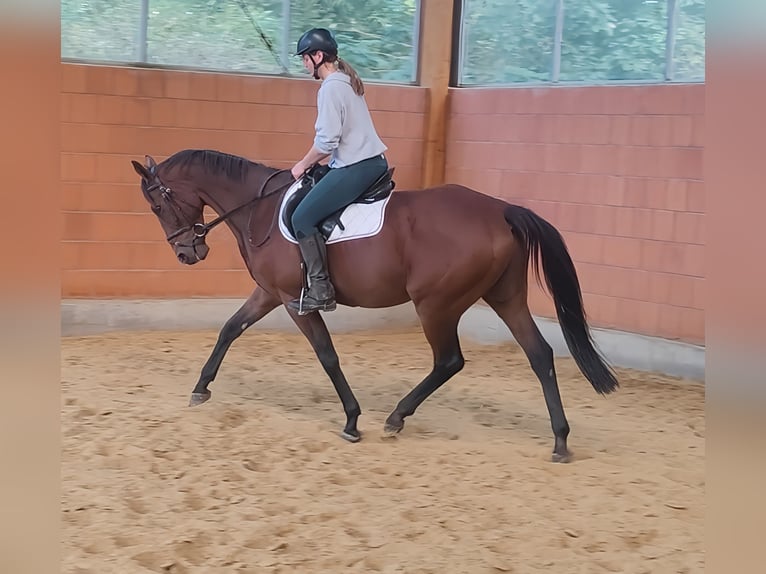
252,215
223,194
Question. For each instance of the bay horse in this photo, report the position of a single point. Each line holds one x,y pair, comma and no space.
443,248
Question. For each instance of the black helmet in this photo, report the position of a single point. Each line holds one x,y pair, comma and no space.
317,39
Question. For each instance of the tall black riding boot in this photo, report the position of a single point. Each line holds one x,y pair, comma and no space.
320,296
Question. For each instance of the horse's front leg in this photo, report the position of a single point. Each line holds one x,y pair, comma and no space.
315,330
257,306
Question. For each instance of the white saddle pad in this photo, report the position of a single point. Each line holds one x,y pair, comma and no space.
359,219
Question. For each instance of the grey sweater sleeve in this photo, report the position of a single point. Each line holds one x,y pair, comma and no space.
329,123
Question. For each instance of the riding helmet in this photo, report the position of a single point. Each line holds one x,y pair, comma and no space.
317,39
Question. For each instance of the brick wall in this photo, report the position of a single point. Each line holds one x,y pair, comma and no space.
619,171
112,244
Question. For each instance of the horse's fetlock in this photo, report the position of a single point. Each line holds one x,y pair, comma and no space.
561,430
354,412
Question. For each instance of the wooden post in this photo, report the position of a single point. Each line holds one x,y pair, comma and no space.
435,62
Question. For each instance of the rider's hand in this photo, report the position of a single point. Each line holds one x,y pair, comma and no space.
298,170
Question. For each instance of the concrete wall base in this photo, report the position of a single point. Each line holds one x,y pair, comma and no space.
86,317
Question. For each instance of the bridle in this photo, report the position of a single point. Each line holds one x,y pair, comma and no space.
202,229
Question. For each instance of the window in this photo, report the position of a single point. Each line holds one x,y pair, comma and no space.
378,37
506,42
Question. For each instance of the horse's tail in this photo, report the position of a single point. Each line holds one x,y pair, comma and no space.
541,239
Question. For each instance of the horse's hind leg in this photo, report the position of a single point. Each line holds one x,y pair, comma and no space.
257,306
515,314
441,332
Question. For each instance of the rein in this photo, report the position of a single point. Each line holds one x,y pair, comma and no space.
202,229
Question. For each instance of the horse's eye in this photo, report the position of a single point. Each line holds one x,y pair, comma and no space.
156,209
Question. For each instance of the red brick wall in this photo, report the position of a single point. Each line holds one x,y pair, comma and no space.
112,244
619,171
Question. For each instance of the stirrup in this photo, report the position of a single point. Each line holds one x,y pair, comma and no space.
297,304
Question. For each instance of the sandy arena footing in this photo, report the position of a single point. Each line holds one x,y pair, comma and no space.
257,480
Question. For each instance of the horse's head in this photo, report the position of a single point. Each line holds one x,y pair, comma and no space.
179,211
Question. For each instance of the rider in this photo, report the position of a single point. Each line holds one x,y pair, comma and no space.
345,133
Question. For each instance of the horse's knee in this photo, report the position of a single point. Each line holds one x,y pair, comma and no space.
331,362
329,359
452,364
231,331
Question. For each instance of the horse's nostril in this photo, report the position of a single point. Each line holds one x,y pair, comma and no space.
182,258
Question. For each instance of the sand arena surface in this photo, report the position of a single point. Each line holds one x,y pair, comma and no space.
258,481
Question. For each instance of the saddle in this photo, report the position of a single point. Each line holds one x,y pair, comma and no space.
379,190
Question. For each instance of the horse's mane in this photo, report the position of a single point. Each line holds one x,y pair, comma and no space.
232,166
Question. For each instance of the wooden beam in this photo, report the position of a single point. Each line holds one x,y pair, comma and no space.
435,61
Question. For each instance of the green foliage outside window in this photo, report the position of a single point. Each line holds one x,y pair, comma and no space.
502,41
376,36
512,41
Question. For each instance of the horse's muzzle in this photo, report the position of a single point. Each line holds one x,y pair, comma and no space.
191,254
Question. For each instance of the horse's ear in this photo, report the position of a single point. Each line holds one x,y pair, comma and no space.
141,170
151,164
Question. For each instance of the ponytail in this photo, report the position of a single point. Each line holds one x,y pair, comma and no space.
356,81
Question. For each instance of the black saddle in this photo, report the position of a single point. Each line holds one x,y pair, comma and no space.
378,191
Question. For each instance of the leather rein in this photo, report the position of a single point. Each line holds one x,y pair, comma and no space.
202,229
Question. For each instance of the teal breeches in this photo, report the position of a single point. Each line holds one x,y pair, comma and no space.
337,189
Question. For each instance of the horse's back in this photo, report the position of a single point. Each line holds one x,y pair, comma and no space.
451,204
452,192
448,235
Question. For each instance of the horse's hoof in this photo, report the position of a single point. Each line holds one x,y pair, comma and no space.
558,457
393,425
199,398
391,430
351,437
